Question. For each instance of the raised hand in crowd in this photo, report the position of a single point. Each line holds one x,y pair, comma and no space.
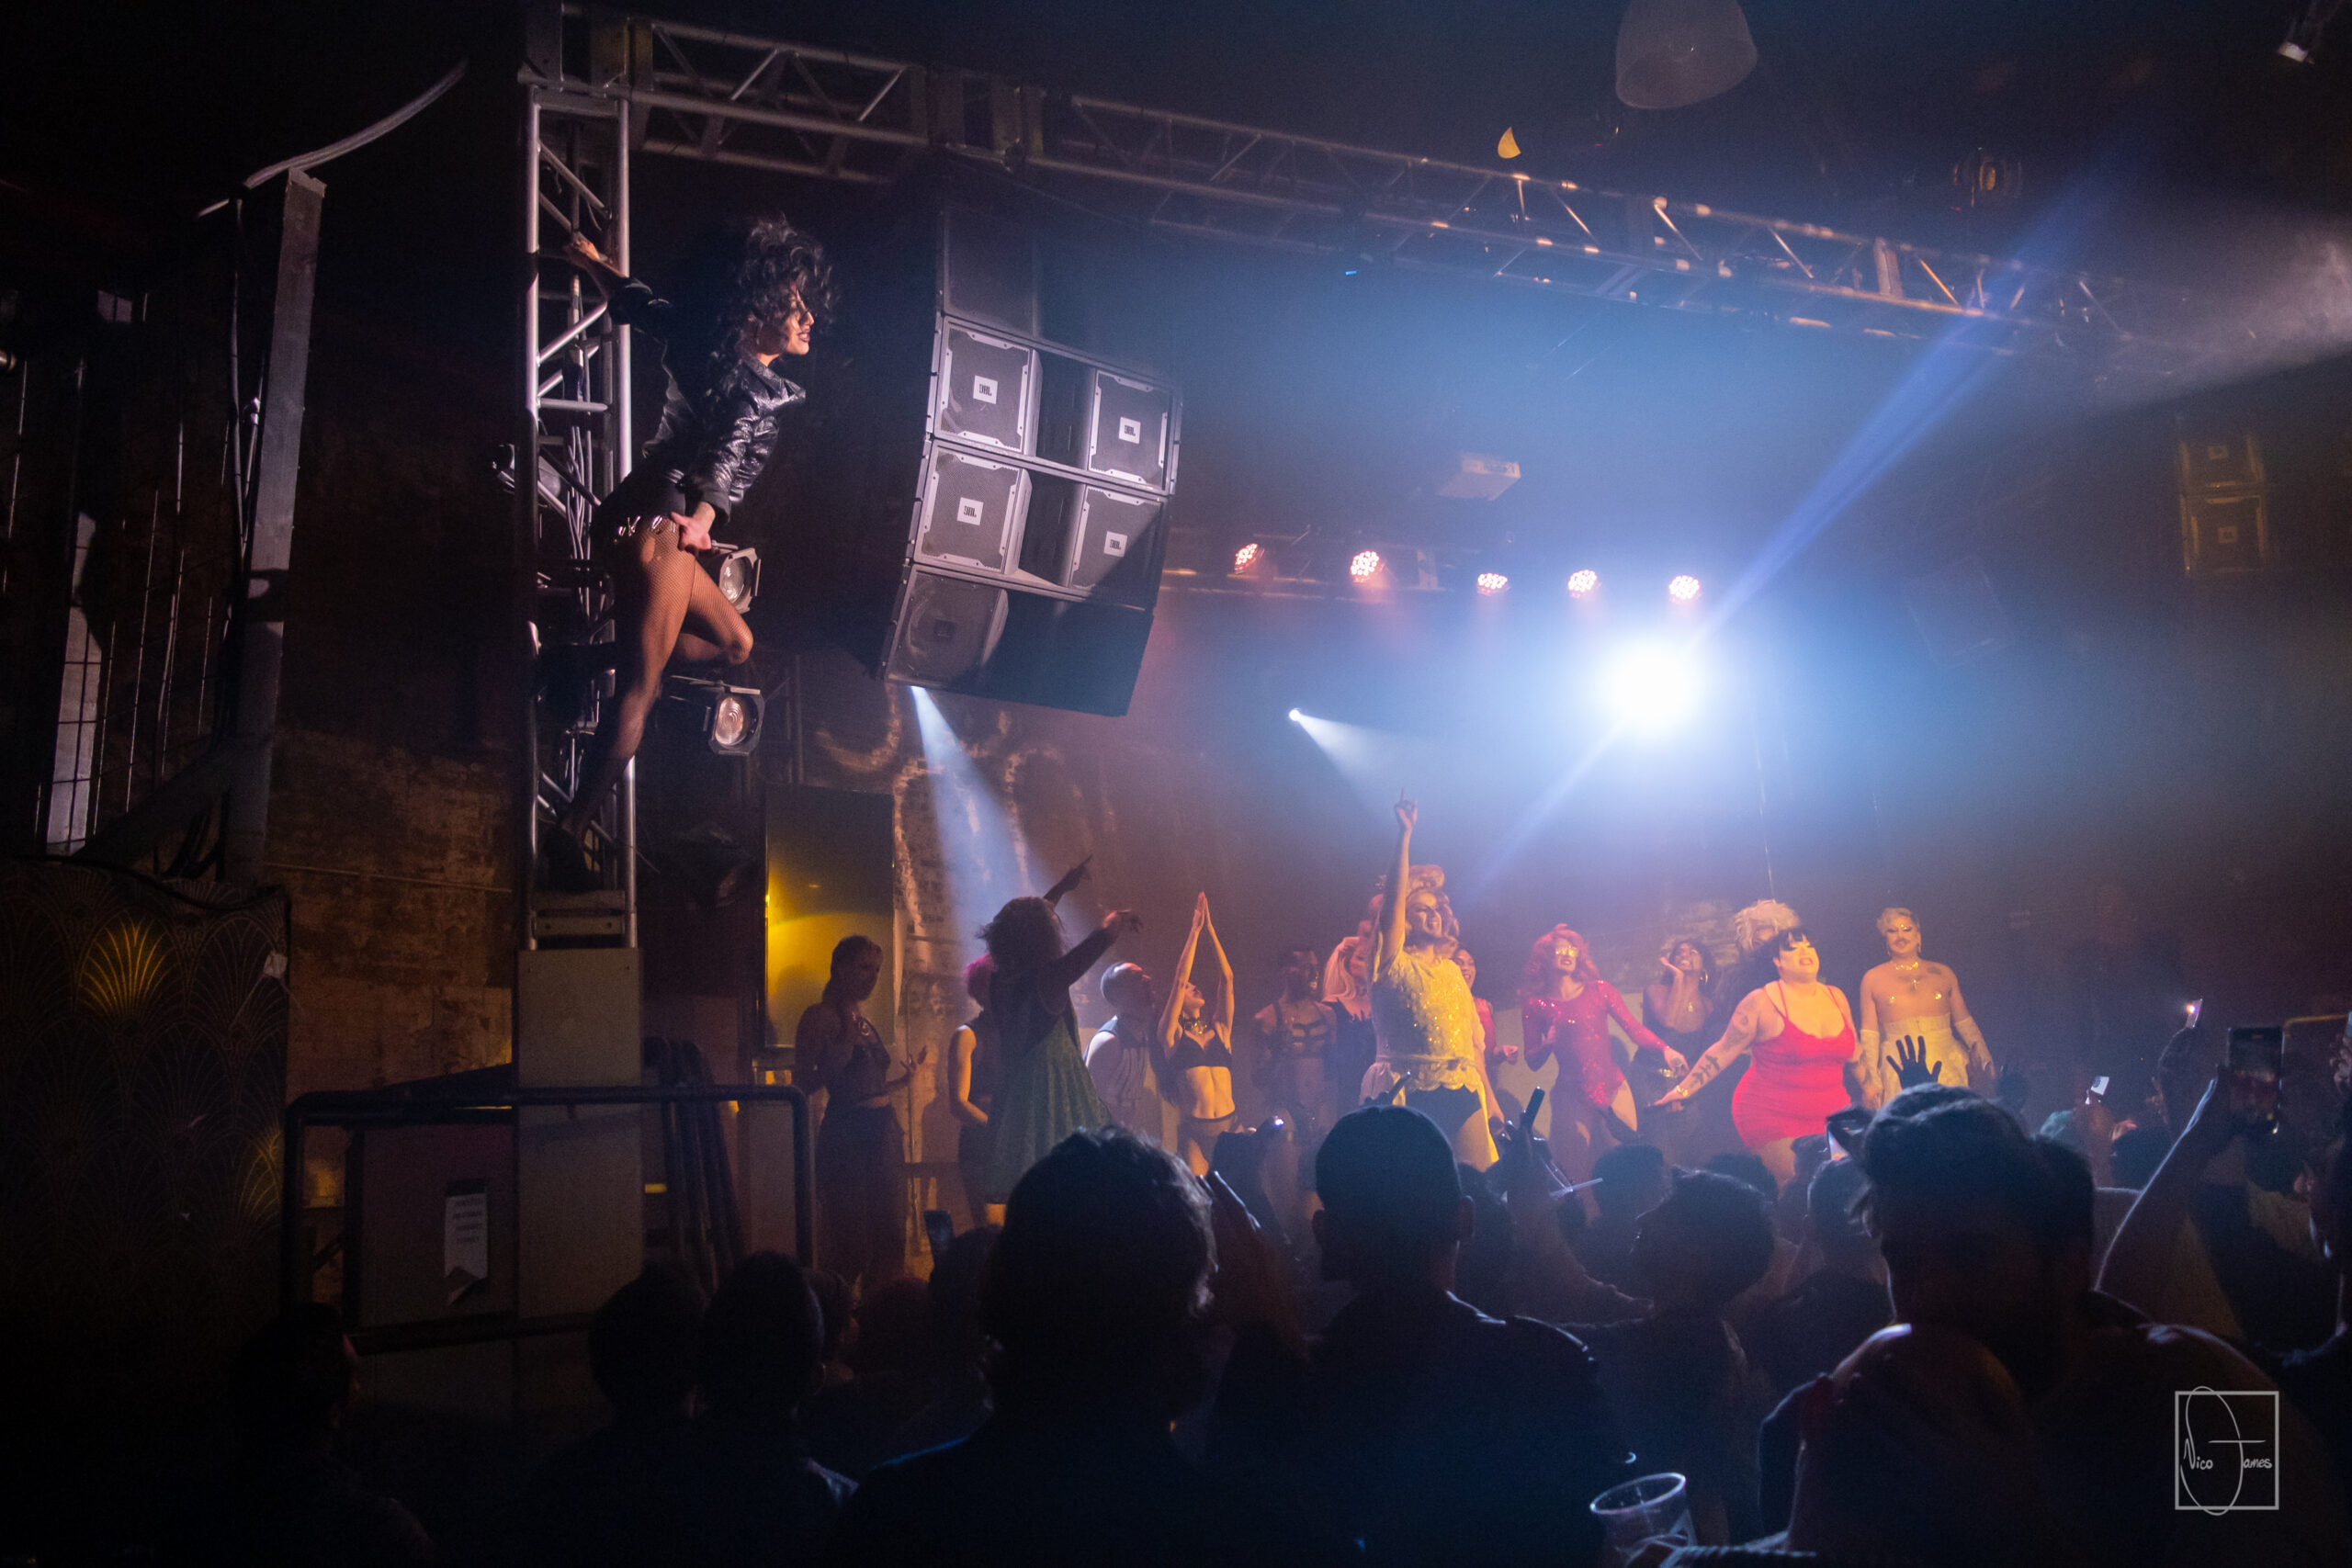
1912,1068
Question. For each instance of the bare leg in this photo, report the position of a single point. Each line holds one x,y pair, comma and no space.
1571,1139
655,587
1780,1158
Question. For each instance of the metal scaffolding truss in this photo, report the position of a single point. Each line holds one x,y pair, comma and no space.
576,392
728,97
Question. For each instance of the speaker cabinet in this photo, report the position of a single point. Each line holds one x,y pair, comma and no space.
983,508
2213,461
984,389
971,509
2224,533
989,271
957,635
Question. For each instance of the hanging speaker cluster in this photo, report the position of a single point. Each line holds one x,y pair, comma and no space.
1034,556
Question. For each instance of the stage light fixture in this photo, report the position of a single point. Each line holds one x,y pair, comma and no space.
738,573
1366,563
1683,589
1651,687
1492,582
1297,717
728,715
1248,555
1583,583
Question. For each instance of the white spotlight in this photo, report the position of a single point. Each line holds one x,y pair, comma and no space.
1297,717
1651,687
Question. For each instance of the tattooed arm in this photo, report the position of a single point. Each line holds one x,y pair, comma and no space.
1745,1020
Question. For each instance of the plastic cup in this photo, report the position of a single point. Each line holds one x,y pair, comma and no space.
1644,1509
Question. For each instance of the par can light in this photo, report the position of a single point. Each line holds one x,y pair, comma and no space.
1583,583
1366,563
729,717
1683,589
738,573
1492,582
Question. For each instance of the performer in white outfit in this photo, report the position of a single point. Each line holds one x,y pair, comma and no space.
1910,996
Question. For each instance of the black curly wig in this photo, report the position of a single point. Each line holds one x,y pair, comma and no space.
776,259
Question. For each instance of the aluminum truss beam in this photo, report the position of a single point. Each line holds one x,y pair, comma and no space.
575,387
729,98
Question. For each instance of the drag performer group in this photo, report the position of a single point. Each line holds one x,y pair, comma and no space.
1401,986
1389,1017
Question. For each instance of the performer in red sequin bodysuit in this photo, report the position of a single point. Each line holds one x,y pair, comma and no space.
1564,1008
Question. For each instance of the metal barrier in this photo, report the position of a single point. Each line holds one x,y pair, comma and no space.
429,1104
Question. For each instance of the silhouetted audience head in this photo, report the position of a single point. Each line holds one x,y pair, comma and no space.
1634,1181
1707,1242
1393,1208
642,1345
893,1328
762,1344
293,1381
1833,1209
1983,1229
1096,1291
2137,1154
953,1295
1745,1164
1859,1496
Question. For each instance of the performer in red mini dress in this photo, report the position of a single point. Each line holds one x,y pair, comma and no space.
1564,1008
1808,1062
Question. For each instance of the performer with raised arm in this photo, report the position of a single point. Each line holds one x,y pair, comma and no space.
1193,1049
1801,1035
1565,1010
1043,1093
1422,1012
1296,1032
720,405
1912,996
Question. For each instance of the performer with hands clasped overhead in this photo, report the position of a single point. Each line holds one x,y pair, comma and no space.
1800,1033
1422,1011
1193,1052
1909,995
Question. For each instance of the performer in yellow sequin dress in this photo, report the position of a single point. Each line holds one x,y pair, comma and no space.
1423,1010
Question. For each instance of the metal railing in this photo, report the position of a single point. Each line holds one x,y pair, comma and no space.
432,1104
